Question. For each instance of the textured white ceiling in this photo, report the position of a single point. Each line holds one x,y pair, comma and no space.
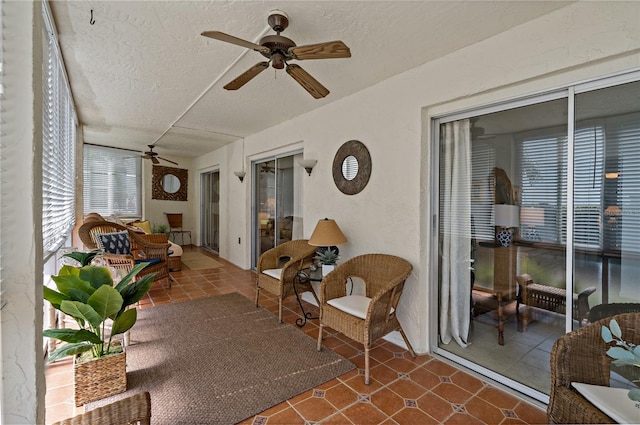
142,73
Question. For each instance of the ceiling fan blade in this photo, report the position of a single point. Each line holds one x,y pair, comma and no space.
217,35
168,160
246,76
328,50
309,83
154,160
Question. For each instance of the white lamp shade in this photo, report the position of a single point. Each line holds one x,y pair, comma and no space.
308,163
532,216
327,233
507,215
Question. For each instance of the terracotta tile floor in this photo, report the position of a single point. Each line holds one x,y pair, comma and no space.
403,390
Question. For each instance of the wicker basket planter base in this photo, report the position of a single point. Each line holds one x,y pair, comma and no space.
99,378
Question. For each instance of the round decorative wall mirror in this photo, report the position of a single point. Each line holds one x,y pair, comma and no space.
170,183
352,167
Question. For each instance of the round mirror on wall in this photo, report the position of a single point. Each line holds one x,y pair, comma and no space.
351,167
170,183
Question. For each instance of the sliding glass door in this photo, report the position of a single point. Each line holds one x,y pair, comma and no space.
277,212
210,225
539,224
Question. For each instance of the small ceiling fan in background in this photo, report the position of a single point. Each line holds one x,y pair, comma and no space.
280,50
153,156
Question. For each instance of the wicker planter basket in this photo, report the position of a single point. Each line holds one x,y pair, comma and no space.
99,378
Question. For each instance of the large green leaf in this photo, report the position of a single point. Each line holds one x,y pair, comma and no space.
69,350
96,276
81,311
73,335
129,277
84,258
67,282
79,295
54,297
124,322
106,301
134,292
69,270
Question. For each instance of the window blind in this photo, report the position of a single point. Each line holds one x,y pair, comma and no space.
58,147
483,161
112,181
543,161
622,192
587,190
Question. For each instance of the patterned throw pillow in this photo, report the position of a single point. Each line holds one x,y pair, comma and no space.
115,243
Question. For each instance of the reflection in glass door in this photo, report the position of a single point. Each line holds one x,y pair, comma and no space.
525,254
277,203
210,226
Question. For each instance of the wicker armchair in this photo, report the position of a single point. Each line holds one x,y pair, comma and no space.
88,235
276,277
602,311
580,356
135,409
364,319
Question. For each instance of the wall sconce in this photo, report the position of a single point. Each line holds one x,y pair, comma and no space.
308,164
241,174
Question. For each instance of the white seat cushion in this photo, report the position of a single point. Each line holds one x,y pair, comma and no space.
274,273
175,249
355,305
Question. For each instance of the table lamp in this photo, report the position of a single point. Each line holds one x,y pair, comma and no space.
327,235
507,217
530,219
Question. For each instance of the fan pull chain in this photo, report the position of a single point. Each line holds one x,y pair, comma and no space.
91,20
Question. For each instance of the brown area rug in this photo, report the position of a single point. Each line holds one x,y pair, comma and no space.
220,360
198,261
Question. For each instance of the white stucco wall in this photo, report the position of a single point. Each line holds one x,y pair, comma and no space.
391,215
22,388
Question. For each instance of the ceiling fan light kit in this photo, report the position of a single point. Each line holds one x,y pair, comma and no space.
279,50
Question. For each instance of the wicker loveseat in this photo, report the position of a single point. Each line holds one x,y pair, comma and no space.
580,356
156,253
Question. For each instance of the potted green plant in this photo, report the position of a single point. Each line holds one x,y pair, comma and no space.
327,258
100,309
159,228
624,353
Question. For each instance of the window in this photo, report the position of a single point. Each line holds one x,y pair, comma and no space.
58,146
112,181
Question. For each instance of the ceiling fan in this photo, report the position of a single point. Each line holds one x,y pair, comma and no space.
153,156
280,50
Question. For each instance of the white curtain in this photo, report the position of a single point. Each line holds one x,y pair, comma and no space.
455,223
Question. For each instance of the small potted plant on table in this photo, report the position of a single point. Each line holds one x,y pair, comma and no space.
327,258
88,295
